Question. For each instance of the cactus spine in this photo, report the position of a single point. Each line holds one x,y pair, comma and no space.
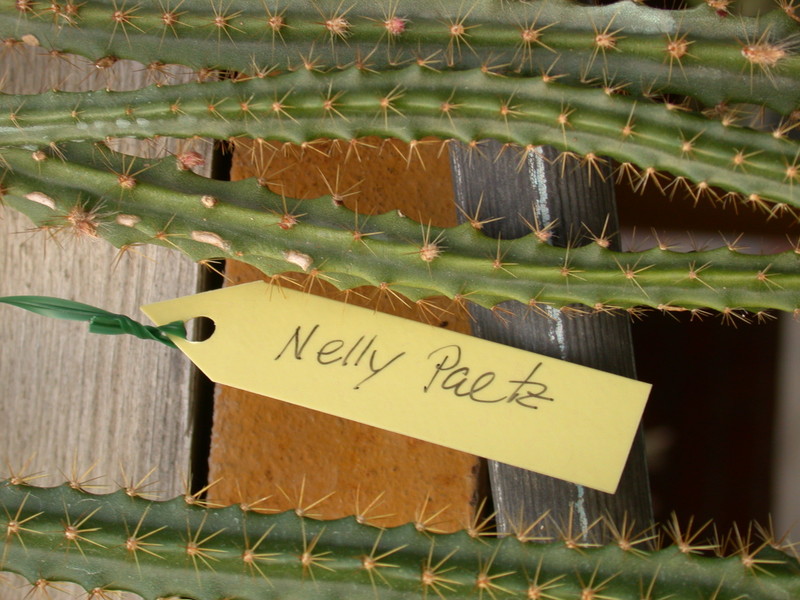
412,103
180,548
95,195
697,52
659,91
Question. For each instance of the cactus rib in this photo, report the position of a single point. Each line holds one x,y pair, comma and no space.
91,196
120,542
627,42
415,102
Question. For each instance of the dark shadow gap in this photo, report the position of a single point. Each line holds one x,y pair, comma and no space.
201,388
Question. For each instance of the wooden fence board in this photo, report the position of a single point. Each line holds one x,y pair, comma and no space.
576,209
73,400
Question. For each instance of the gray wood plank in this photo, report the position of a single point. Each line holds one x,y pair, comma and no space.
73,400
546,191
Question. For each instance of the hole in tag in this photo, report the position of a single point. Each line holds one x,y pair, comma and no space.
199,329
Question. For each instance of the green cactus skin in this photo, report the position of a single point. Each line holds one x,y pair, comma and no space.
624,42
93,193
415,102
98,194
176,548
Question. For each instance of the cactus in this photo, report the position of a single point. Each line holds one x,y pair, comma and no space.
412,103
703,53
183,548
311,70
706,96
95,195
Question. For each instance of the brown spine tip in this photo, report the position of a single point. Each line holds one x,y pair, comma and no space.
288,221
83,222
395,25
678,48
106,62
24,6
186,160
763,54
276,23
126,182
430,252
338,26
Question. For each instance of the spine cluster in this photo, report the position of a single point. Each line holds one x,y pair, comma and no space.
414,102
698,101
182,548
84,193
702,53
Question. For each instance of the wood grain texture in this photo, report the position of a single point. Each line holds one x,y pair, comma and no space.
73,400
543,190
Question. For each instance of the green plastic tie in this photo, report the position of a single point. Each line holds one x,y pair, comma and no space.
100,321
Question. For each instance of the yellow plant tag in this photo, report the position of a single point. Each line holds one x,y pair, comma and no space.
484,398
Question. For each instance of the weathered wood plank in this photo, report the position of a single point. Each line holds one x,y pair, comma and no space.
108,410
545,191
72,400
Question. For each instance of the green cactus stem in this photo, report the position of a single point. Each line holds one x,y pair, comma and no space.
698,53
415,102
91,192
181,548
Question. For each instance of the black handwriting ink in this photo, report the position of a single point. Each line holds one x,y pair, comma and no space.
443,366
298,347
333,351
375,370
330,347
540,389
